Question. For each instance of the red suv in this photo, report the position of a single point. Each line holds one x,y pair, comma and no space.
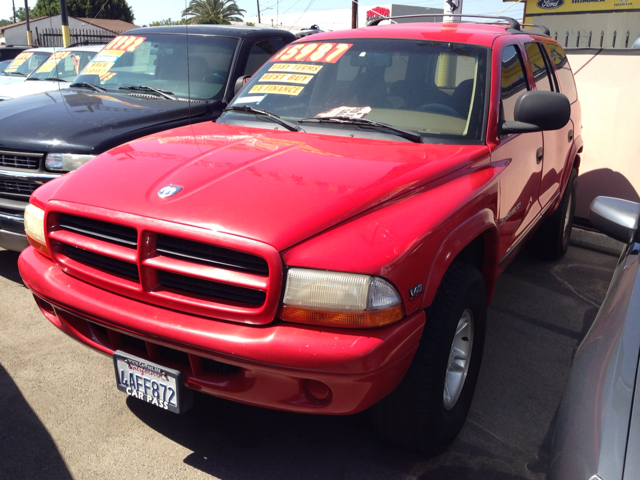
330,245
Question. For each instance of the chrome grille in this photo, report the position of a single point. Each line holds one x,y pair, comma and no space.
20,159
17,187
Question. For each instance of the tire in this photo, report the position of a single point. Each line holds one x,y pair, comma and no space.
551,240
417,415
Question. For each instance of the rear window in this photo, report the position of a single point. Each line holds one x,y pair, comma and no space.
565,76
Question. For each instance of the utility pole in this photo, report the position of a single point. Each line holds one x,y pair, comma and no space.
13,2
64,18
451,7
258,12
29,36
354,14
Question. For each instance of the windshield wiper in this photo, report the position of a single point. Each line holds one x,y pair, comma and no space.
33,78
408,134
53,79
89,85
292,127
15,73
145,88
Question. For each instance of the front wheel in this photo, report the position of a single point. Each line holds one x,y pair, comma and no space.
430,405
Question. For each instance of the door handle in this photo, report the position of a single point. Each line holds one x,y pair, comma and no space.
570,135
539,154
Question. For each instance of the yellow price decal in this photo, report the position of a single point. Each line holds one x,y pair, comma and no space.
295,67
97,68
286,78
276,89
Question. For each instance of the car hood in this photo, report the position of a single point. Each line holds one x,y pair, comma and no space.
274,186
80,121
31,87
6,80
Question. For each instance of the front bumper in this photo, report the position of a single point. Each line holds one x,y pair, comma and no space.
283,366
12,236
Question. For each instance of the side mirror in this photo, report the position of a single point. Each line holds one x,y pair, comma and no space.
537,111
615,217
240,82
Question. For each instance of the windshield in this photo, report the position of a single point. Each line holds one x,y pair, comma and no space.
433,88
25,63
65,65
161,62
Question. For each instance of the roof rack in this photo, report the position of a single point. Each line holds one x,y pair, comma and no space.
544,29
513,24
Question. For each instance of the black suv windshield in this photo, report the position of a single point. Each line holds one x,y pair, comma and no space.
197,69
433,88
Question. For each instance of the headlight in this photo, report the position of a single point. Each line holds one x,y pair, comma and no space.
66,162
339,299
34,226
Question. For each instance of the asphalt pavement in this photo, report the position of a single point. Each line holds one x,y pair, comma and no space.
61,415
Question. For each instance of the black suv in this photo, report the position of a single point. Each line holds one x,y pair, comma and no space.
145,81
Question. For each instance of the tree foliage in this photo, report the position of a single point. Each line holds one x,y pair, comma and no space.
112,9
220,12
168,21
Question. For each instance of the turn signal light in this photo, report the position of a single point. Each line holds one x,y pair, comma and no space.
34,228
365,319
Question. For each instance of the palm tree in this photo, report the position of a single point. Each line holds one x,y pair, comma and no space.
213,11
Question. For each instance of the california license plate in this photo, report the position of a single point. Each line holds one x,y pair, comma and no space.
150,382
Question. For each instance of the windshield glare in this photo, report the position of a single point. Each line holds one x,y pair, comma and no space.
26,62
162,61
65,65
434,88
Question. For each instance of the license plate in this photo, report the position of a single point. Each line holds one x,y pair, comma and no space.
153,383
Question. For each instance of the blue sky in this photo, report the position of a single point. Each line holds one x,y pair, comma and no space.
146,11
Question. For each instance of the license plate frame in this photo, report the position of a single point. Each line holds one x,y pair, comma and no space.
168,393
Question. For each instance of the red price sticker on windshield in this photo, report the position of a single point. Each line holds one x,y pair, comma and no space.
125,43
313,52
23,56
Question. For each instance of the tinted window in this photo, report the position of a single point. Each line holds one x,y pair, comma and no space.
536,58
261,52
563,70
514,81
198,69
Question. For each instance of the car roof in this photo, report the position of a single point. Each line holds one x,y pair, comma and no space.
44,49
85,48
238,31
474,33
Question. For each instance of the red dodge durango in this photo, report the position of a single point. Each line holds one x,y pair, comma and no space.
332,242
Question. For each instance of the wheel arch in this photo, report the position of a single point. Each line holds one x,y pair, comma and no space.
474,242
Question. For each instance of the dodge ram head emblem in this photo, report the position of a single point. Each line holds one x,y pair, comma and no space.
169,191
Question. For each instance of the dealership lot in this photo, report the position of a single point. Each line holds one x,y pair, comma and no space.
61,415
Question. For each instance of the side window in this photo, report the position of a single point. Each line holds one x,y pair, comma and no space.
563,70
539,67
513,81
261,52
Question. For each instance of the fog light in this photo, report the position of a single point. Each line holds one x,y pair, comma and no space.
318,390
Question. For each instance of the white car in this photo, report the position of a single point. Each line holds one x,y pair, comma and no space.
58,71
24,64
